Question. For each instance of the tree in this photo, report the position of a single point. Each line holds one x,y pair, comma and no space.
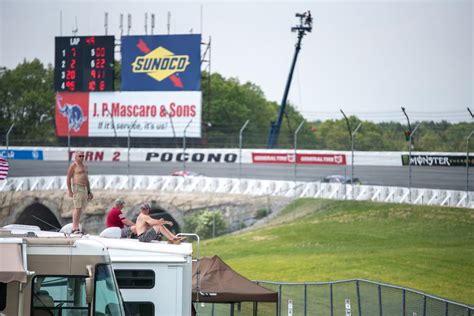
205,223
27,100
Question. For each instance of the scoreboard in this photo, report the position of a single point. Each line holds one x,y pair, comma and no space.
84,63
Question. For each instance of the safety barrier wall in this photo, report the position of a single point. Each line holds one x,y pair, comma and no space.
289,189
217,155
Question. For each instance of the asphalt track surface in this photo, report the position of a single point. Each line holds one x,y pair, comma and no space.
448,178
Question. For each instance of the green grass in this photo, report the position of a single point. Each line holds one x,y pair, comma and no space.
430,249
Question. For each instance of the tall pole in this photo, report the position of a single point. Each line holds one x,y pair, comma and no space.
306,23
8,137
184,143
240,147
353,134
295,164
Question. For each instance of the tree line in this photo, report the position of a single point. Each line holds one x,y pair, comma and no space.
27,99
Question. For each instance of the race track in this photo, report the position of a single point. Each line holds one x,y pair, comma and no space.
450,178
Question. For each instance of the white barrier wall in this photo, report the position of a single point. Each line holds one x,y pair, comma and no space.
289,189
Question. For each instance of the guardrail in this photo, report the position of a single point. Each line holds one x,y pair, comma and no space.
252,187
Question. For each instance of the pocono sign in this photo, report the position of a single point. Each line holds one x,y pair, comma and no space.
145,114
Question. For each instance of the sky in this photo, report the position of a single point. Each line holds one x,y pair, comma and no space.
368,58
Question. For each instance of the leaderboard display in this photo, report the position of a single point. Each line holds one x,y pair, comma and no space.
84,63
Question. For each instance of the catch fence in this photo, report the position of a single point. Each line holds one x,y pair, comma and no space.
355,297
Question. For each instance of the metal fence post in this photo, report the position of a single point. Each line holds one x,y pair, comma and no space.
305,298
352,157
380,300
128,150
424,305
279,301
467,168
359,308
404,302
330,300
409,160
295,164
68,140
240,147
184,144
8,137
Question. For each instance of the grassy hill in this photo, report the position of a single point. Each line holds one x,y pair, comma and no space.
427,248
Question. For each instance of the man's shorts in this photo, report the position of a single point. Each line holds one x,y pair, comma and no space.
79,197
126,232
149,235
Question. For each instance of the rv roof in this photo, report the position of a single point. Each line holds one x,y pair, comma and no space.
131,245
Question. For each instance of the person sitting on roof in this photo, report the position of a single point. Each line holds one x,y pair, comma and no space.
115,218
149,229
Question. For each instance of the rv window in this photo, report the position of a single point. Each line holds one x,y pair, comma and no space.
135,279
107,298
3,296
140,308
59,295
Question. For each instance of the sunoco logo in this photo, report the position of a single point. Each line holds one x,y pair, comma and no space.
159,63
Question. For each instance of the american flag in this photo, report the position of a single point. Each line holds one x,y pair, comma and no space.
3,169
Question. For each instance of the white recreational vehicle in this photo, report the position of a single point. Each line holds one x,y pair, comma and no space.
154,278
46,274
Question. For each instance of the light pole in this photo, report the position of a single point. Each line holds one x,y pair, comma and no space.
240,147
8,137
184,144
295,164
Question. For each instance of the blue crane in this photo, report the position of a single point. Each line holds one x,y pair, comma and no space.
306,25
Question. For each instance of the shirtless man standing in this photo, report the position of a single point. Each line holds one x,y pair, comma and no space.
149,229
78,188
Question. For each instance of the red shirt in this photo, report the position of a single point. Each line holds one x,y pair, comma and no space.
114,218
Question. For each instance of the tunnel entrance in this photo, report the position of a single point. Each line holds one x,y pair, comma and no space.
39,215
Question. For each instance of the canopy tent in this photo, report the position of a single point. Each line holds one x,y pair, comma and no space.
220,284
11,265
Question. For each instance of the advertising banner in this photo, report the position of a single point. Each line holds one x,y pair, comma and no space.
145,114
161,63
309,159
437,160
22,154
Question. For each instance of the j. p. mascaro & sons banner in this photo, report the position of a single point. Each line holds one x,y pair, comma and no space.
144,114
161,62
